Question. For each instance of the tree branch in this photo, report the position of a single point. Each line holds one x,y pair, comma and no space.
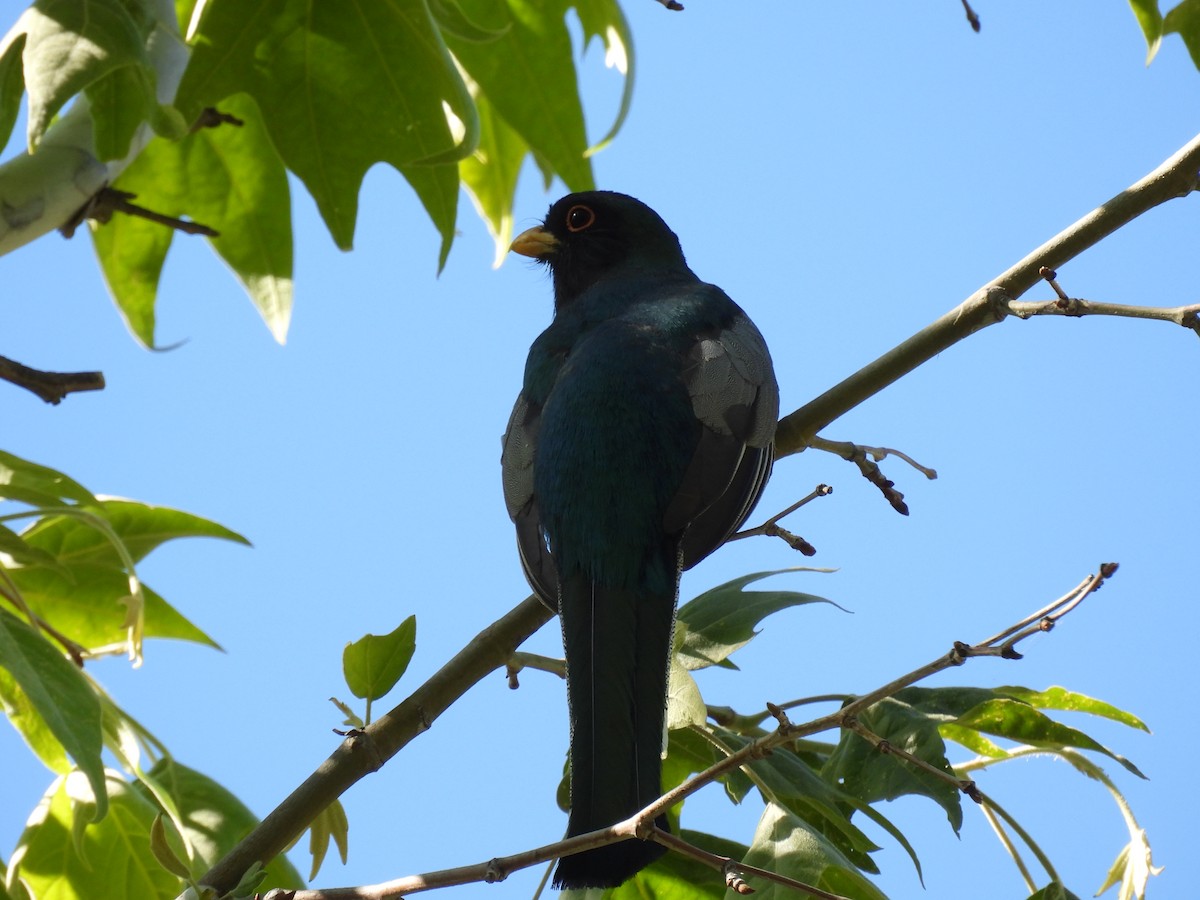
641,824
1177,177
49,386
366,751
491,649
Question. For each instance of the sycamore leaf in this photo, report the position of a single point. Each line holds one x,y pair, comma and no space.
331,822
341,87
73,43
861,770
725,618
678,877
374,663
685,706
1053,891
1069,701
214,820
86,603
229,178
1184,20
1020,722
55,698
786,845
1151,22
603,19
1131,870
12,85
28,482
139,526
490,173
56,861
528,75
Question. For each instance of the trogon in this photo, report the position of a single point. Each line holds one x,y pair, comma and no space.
640,441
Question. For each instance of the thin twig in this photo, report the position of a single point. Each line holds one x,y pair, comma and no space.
1176,177
1074,307
771,527
211,117
109,200
972,16
522,660
641,824
883,745
735,868
869,468
959,654
49,386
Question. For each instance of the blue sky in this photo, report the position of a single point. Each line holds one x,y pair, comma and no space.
847,176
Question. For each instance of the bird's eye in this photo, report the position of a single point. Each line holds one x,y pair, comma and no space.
580,217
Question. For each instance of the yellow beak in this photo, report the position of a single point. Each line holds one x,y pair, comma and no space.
536,242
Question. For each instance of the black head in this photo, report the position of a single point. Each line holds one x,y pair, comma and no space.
592,235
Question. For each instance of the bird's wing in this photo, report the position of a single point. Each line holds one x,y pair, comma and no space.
516,462
736,399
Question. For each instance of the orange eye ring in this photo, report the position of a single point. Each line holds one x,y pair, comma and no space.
580,218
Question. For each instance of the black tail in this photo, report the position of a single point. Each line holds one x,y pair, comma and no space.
618,644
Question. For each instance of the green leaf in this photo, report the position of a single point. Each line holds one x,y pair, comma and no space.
331,822
1132,869
353,719
121,100
604,19
214,819
1070,701
58,694
161,847
685,706
374,663
22,715
528,75
791,783
724,619
454,21
1053,891
229,178
972,740
341,87
688,752
864,772
12,84
1184,20
788,846
437,189
1021,722
678,877
110,859
490,174
1151,22
238,184
86,602
140,527
71,44
27,482
13,546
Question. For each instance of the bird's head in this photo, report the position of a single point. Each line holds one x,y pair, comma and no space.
592,235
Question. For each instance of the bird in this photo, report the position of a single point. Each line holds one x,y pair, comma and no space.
641,440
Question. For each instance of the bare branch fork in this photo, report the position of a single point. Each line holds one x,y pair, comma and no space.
492,648
49,386
772,528
641,825
108,200
992,303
